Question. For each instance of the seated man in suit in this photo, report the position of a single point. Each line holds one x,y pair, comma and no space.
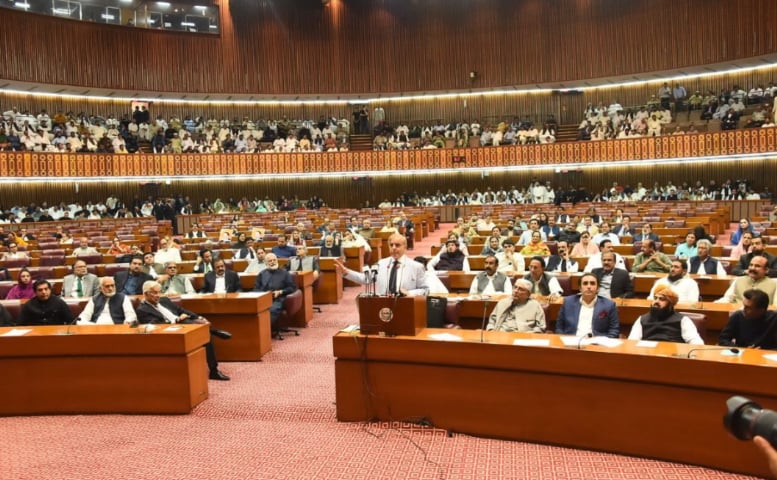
613,282
490,281
754,326
397,273
279,282
646,234
130,282
45,308
158,309
562,262
108,307
80,283
703,263
589,312
204,263
221,280
282,250
663,324
176,284
304,262
757,249
518,313
542,283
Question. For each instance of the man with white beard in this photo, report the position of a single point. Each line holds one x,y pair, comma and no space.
108,307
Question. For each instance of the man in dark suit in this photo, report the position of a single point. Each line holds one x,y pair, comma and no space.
130,282
221,280
409,229
613,282
757,250
158,309
604,320
278,281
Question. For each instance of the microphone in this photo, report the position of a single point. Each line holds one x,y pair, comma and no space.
366,273
374,278
485,316
583,337
734,350
70,324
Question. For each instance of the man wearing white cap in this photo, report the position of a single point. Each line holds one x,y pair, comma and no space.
519,313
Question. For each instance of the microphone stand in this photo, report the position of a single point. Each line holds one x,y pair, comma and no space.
583,337
485,315
733,350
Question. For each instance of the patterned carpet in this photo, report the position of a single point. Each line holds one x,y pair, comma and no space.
276,420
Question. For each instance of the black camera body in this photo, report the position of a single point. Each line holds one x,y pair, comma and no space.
745,419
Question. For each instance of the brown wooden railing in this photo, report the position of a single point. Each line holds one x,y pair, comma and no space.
54,165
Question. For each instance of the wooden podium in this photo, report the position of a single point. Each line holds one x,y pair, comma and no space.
391,316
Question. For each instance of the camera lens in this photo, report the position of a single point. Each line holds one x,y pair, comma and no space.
745,419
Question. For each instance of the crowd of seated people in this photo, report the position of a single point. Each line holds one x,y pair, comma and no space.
70,132
434,135
603,122
161,208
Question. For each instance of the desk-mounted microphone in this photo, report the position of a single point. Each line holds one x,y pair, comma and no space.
582,338
486,298
367,279
735,351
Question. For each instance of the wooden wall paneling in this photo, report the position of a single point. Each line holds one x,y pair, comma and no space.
272,47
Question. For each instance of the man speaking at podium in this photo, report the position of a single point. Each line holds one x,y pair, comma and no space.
397,275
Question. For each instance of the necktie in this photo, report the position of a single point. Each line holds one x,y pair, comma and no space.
299,266
393,277
563,265
79,288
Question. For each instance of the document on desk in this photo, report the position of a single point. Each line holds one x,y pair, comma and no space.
449,337
771,356
569,341
646,344
532,342
16,332
172,329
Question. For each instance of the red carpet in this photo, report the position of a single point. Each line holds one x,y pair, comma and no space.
276,420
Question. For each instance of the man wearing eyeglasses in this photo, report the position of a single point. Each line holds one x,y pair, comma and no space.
398,274
176,284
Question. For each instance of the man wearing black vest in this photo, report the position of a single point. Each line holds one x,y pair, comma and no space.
663,324
108,307
703,263
490,281
452,259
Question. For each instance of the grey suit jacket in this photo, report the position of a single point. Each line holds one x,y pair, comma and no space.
90,284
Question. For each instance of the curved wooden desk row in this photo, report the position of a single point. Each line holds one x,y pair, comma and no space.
469,313
27,164
646,402
245,315
103,369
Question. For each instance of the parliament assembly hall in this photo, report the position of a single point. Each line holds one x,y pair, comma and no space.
381,239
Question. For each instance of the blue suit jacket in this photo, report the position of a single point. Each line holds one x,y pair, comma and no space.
605,321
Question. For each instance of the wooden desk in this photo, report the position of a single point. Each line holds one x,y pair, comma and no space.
354,259
710,286
330,284
627,400
103,369
245,315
